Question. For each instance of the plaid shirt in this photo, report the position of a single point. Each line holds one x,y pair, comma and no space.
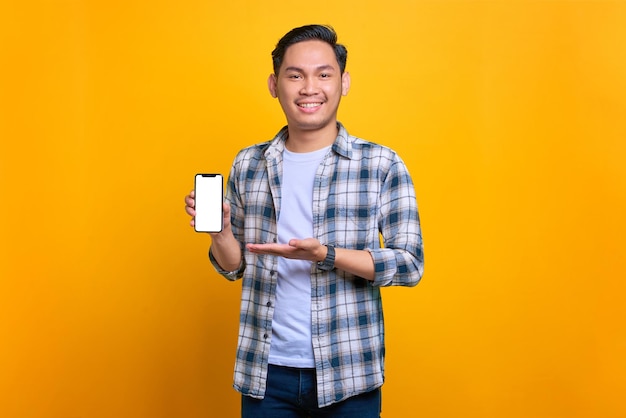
362,190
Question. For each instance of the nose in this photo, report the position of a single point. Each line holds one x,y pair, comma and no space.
309,86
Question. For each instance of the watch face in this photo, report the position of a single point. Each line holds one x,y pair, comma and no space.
232,274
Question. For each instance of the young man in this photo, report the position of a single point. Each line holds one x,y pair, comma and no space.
303,218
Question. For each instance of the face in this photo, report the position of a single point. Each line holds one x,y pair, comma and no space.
309,86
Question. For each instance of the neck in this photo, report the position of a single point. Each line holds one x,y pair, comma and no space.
301,140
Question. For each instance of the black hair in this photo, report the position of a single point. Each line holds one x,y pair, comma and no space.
309,33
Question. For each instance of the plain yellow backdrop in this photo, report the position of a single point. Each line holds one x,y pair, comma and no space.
511,116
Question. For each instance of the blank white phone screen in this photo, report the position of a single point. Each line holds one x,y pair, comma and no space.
208,196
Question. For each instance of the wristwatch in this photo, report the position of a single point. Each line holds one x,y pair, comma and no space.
329,262
232,275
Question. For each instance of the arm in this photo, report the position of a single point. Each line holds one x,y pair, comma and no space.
401,261
357,262
224,247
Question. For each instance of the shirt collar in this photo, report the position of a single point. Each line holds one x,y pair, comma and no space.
342,145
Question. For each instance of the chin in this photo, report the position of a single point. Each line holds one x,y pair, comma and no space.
309,125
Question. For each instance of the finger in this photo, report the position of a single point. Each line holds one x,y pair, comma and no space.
225,210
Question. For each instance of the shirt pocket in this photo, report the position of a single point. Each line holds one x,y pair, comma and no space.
356,220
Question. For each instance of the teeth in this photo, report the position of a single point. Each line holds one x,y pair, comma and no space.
309,104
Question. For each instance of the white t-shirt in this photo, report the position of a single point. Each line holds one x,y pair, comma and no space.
291,324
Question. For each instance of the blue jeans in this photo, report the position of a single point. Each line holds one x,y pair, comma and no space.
291,393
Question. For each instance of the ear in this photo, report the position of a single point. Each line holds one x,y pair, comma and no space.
271,85
345,83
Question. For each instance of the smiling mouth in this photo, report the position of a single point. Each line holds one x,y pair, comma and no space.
309,105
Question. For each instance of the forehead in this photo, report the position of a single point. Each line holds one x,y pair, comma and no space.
310,54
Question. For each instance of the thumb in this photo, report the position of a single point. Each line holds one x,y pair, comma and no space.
294,242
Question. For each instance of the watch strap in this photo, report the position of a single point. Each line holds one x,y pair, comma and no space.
329,262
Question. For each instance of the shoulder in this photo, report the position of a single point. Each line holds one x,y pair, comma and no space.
372,152
262,150
250,157
357,148
255,151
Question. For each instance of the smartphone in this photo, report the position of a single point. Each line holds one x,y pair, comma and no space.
209,192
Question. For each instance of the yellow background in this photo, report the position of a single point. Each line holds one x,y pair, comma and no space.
511,116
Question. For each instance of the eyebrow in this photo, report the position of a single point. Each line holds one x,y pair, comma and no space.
320,68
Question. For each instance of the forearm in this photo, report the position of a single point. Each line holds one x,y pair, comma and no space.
226,250
356,262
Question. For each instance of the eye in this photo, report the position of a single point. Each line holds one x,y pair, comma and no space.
294,76
324,75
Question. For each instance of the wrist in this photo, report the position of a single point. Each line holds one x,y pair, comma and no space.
224,236
323,253
328,262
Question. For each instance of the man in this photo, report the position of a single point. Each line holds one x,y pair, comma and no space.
303,218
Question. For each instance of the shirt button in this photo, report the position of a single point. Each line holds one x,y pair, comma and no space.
269,304
265,335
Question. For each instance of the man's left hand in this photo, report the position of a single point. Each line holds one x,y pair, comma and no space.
298,249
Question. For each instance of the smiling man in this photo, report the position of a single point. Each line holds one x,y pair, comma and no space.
303,218
309,82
